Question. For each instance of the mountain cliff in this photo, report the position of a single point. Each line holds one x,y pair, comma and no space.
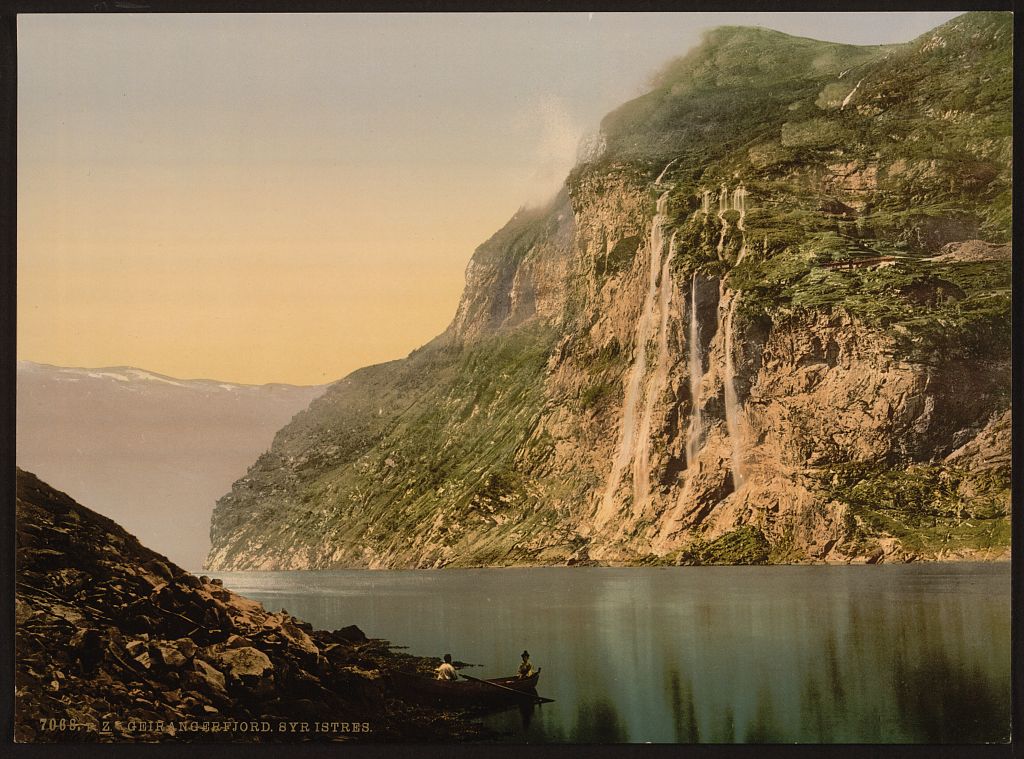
766,320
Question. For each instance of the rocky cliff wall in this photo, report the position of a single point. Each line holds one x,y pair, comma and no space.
746,346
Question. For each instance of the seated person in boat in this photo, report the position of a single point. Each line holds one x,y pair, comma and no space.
525,669
446,671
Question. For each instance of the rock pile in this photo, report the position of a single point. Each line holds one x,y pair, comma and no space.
116,643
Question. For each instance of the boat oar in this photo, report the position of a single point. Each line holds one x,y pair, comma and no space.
520,693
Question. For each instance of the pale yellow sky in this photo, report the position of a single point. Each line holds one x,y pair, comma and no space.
207,273
287,198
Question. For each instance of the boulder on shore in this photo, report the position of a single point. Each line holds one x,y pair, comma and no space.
111,635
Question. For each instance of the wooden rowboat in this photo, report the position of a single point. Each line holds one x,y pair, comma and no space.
469,692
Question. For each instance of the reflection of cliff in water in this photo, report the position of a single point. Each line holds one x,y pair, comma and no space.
705,654
843,656
763,728
821,699
597,721
967,709
684,715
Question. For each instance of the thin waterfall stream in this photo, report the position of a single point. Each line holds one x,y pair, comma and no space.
642,461
628,434
733,410
696,369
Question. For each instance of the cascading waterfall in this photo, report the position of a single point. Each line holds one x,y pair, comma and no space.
695,429
696,369
733,412
657,182
728,302
723,206
634,446
642,460
628,433
848,98
739,203
734,201
724,326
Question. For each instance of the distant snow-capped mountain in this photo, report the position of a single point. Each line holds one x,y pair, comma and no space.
155,451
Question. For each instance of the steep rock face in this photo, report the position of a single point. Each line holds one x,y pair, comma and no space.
738,333
517,274
825,390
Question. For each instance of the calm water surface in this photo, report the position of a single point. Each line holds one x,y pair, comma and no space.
914,653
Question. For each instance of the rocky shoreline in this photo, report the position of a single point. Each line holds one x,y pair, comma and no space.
116,643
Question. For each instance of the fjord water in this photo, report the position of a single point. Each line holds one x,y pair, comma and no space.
900,653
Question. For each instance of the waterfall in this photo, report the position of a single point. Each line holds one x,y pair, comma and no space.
642,461
733,411
739,203
695,430
705,202
848,98
724,326
657,182
696,368
723,206
627,435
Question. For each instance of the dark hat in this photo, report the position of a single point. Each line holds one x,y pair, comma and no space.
525,653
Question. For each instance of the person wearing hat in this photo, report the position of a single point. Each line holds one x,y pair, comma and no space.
525,669
446,671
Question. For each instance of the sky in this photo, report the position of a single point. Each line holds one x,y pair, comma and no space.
289,197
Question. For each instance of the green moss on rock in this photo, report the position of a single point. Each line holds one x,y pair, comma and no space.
744,545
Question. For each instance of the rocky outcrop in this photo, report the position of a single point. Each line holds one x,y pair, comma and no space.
757,326
991,448
517,274
115,643
974,250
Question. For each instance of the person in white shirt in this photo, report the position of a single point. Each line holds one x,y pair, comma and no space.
446,671
525,669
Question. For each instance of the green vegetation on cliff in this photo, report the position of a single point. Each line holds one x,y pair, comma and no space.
744,545
717,99
921,149
929,508
877,211
441,445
